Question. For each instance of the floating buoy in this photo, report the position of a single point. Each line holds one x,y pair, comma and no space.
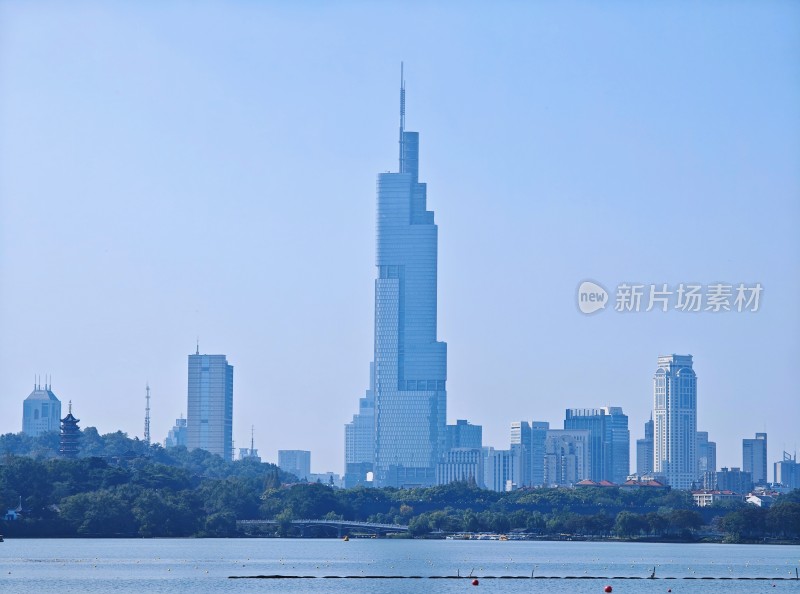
475,582
607,589
669,589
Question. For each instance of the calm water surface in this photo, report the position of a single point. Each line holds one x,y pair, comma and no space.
183,566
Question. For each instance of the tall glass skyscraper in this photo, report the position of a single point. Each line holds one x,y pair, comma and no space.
209,418
675,411
609,441
410,365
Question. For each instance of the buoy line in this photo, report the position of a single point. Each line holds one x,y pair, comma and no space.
492,577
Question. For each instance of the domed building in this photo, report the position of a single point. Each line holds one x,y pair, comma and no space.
41,411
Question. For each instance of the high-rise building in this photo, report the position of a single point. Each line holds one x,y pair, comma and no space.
464,435
177,435
498,469
644,450
539,431
754,458
41,411
566,457
410,364
209,418
675,411
733,479
787,472
359,438
706,455
522,446
296,462
609,441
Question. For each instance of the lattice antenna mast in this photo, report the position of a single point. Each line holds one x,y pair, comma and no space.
402,116
252,439
147,415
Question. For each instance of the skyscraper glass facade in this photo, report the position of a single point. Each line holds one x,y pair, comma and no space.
609,441
754,458
209,419
410,364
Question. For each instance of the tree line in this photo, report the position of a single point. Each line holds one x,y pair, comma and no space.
123,487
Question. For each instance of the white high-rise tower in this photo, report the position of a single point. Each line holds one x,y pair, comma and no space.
675,416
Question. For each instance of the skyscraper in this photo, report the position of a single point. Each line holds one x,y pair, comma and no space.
209,418
644,450
464,435
410,364
609,441
359,438
41,411
706,455
675,408
522,446
754,458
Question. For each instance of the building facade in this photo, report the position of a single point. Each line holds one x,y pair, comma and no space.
498,469
754,458
464,435
177,435
566,457
296,462
209,418
359,438
461,465
706,455
675,416
787,472
609,441
410,364
41,411
644,451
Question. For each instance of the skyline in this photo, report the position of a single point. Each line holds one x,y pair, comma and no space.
581,135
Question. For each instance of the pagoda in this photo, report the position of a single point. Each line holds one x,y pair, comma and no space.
70,434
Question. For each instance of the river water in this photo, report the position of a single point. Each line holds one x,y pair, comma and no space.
198,566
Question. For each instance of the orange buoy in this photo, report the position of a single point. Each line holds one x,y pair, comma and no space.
475,582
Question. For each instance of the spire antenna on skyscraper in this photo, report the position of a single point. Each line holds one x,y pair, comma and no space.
402,113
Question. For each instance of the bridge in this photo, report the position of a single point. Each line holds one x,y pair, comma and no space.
342,527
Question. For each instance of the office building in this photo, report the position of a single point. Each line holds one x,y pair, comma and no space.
209,418
609,441
359,438
733,479
644,450
461,465
787,472
464,435
498,469
566,457
675,412
754,458
539,431
296,462
41,411
706,455
522,446
410,364
177,435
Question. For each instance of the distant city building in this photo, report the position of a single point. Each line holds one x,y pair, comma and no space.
707,497
754,458
461,465
296,462
644,450
329,479
675,411
733,479
359,438
464,435
210,405
706,455
498,469
539,431
250,453
410,364
566,457
609,441
177,435
41,411
787,472
522,447
69,443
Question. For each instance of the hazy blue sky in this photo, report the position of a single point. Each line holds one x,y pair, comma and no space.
171,170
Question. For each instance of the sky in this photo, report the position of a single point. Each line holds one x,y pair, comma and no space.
175,171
